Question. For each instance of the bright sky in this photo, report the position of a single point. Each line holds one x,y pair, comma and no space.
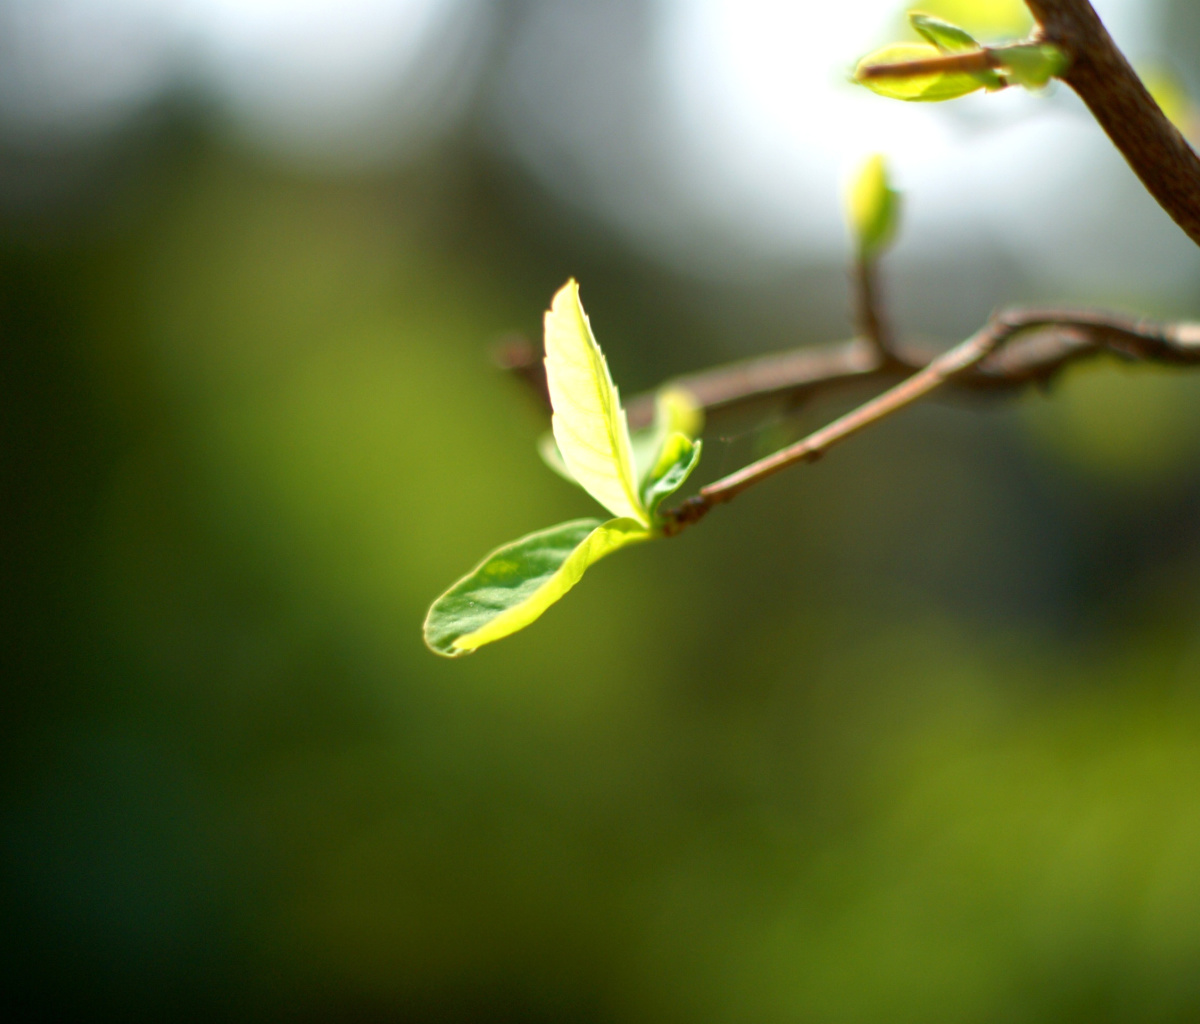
756,127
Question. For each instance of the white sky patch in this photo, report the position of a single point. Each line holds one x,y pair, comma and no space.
329,74
335,73
772,129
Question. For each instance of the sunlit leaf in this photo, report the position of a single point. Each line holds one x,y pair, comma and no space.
915,88
589,423
1034,65
516,583
679,456
675,411
874,207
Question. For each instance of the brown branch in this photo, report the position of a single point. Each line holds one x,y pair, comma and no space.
1158,153
1058,337
1048,340
767,376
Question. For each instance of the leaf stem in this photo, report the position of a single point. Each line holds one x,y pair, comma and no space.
970,63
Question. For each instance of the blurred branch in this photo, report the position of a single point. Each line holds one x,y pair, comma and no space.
1054,338
1039,345
1158,153
872,323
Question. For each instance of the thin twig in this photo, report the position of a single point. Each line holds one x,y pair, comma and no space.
811,448
1061,336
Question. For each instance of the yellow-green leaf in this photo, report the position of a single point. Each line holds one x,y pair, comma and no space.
915,88
676,411
874,207
950,38
516,583
947,37
676,460
589,423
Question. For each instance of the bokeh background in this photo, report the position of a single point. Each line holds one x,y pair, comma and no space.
909,735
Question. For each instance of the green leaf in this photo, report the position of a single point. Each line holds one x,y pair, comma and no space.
1033,65
676,411
874,207
946,37
517,582
679,456
949,38
589,423
915,88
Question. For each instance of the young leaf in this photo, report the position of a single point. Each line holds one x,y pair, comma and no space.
678,457
1033,65
950,38
942,85
675,412
874,207
589,423
517,582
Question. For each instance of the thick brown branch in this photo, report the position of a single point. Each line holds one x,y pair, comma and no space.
1104,80
767,376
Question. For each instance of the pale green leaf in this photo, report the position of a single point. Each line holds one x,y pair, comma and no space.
915,88
950,38
516,583
874,207
589,423
679,456
945,36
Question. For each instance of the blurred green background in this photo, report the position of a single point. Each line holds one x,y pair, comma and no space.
910,735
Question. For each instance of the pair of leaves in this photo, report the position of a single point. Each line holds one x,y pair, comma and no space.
591,446
1029,64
